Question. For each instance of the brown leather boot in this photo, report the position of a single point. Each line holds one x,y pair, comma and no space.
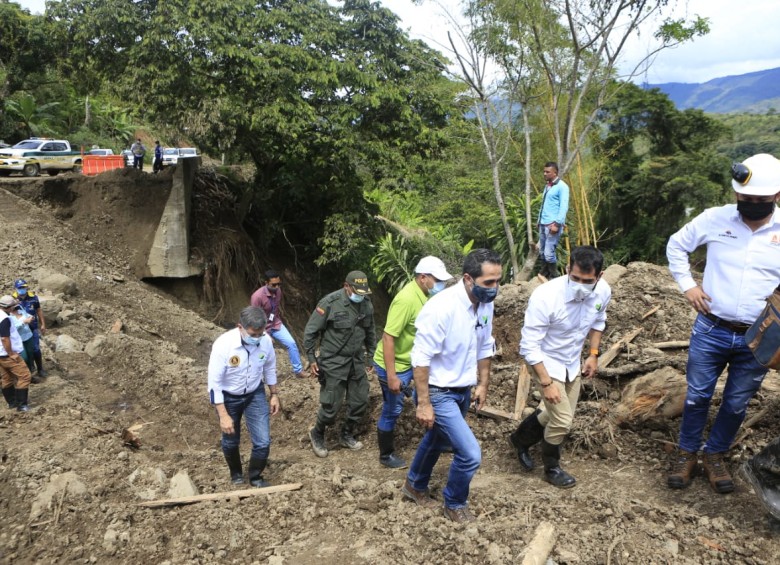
717,474
421,497
683,469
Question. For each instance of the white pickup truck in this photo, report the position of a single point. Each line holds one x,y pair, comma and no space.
37,154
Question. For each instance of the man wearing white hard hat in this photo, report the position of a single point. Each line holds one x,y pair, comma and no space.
742,270
393,355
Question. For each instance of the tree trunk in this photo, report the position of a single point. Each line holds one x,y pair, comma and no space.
533,249
87,112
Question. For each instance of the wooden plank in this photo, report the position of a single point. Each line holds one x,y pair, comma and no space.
494,413
226,495
617,347
523,386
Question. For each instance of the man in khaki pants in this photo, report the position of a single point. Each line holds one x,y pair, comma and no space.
560,315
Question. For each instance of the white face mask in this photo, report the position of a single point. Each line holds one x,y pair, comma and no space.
581,291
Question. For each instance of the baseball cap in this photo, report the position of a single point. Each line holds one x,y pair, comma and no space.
431,265
359,282
20,283
758,175
8,301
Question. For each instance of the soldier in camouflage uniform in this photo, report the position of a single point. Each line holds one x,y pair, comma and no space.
343,327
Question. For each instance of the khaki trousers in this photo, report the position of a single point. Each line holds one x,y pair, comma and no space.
557,418
14,372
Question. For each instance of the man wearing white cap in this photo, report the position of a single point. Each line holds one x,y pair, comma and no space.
14,374
742,270
393,356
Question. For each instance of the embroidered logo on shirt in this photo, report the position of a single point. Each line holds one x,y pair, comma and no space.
320,311
728,234
261,356
775,240
234,361
598,307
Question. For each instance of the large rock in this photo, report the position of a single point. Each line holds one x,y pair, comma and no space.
96,346
181,486
613,273
51,306
67,484
66,344
57,283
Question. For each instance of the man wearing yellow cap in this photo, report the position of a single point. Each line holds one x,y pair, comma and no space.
342,325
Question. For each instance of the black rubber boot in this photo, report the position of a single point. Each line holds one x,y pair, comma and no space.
233,458
9,393
39,364
763,472
528,433
387,456
21,400
255,472
553,474
317,437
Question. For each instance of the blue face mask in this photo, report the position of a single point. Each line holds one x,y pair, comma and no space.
484,294
249,340
356,298
438,286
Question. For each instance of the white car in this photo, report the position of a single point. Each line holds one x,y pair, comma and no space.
170,156
101,152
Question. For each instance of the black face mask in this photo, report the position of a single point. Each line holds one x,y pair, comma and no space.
755,210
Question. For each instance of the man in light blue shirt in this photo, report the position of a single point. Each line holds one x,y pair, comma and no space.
552,218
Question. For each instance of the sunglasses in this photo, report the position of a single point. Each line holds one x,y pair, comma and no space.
274,285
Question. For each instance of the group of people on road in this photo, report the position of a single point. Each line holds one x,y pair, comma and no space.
138,150
439,338
21,325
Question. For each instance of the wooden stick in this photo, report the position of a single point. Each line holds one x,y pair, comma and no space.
219,496
539,549
672,344
494,413
523,386
650,312
614,351
749,423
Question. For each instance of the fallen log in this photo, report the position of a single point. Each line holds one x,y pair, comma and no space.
672,344
652,399
617,347
636,368
537,552
227,495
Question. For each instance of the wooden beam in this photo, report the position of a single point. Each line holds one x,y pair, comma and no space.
226,495
523,386
617,347
537,552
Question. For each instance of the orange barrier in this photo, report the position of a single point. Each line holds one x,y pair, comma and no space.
96,164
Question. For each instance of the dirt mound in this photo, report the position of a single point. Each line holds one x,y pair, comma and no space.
152,375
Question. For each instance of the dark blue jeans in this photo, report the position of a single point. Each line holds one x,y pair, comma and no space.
449,427
712,348
393,404
255,407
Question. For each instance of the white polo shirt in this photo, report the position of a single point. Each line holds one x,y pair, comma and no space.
556,325
451,337
238,368
743,266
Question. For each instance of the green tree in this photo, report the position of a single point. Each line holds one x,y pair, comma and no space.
34,118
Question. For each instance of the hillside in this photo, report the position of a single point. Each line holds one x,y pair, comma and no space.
755,92
70,487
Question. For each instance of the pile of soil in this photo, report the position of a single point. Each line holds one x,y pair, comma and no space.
70,486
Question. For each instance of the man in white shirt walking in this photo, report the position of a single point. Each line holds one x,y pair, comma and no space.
243,361
743,268
451,353
560,315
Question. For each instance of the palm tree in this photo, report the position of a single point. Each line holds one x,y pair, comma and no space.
34,117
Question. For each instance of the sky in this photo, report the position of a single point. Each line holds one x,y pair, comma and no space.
743,37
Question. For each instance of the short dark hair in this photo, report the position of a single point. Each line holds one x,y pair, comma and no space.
587,258
472,264
551,164
271,274
253,317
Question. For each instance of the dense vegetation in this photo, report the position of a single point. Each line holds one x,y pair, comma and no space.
366,150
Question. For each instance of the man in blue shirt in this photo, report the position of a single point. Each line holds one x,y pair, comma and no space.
552,218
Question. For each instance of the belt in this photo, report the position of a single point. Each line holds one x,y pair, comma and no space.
736,327
456,389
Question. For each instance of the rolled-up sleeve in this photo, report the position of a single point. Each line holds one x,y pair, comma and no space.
534,330
681,244
269,367
487,343
216,374
431,331
600,321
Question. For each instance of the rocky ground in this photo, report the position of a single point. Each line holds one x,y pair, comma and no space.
124,355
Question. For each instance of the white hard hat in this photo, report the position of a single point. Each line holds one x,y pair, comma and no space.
431,265
758,175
